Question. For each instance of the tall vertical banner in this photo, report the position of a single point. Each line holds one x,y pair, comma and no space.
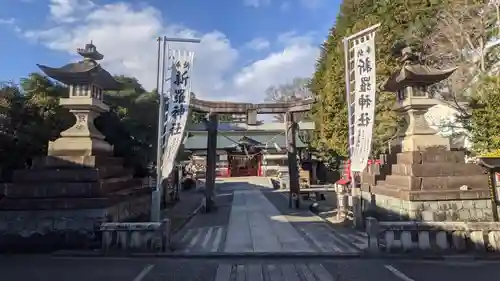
361,86
177,109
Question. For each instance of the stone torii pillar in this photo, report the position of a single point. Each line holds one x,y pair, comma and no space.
212,126
293,169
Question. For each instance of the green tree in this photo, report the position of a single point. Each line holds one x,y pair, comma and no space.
131,124
328,85
484,123
30,117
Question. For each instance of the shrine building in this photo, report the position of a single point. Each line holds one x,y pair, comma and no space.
245,150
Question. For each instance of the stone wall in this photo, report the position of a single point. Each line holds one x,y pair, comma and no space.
436,237
48,230
387,208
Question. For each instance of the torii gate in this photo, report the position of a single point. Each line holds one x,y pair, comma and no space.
213,108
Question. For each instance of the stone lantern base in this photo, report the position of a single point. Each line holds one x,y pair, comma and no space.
82,139
422,142
432,185
61,201
78,146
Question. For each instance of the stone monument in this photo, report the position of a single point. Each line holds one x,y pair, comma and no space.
62,200
424,180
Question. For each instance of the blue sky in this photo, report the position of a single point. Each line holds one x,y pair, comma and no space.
247,45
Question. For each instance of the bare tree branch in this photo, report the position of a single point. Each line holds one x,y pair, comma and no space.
297,90
465,36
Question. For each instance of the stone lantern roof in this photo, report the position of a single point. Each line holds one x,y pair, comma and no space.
414,74
87,71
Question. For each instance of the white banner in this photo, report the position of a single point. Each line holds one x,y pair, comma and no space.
362,60
177,108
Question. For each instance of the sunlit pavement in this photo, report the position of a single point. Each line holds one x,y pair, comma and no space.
252,219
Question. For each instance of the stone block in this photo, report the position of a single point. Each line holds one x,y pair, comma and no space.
427,215
69,175
442,157
424,242
477,239
390,242
409,157
72,203
481,204
69,189
406,241
136,237
403,182
436,169
446,195
459,240
442,240
76,161
494,240
454,182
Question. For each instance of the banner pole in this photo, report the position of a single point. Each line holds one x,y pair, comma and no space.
156,196
355,174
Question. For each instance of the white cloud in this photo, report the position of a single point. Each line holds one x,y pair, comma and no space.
126,36
11,23
68,10
284,5
7,21
258,44
256,3
313,4
278,68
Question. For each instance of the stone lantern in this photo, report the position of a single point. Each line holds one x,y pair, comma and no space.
426,181
411,84
61,201
87,81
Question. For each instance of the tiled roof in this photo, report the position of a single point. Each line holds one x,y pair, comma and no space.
229,140
244,127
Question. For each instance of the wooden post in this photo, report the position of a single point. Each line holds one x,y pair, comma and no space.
211,159
293,170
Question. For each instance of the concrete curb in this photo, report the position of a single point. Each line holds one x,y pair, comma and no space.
301,255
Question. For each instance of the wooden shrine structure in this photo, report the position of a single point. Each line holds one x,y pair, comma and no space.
214,108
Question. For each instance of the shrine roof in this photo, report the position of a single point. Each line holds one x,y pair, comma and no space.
243,127
230,140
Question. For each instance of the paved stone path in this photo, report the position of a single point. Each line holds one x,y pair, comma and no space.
273,272
252,223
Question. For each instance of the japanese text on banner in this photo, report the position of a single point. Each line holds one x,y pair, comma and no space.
178,108
364,101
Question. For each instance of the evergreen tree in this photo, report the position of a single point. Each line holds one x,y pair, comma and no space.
484,123
397,17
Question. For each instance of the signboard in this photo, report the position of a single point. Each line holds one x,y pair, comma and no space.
361,86
177,109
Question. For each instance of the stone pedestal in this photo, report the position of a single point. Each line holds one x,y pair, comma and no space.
433,185
417,135
61,202
82,139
